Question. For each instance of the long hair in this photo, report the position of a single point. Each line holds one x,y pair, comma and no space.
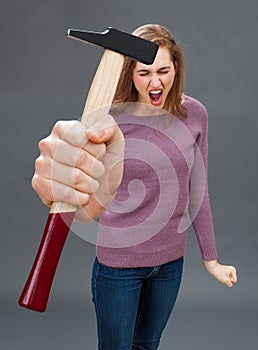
126,91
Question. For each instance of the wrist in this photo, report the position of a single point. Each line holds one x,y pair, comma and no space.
211,264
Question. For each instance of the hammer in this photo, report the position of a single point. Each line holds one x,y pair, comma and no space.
117,44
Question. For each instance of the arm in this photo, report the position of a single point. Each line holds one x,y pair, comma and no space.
199,202
203,221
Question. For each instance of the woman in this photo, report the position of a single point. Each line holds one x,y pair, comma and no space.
140,251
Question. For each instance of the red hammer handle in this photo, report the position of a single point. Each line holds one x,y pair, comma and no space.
38,285
37,288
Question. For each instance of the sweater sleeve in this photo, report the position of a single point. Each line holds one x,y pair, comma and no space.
199,202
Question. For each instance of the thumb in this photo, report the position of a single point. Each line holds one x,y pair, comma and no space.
233,275
97,136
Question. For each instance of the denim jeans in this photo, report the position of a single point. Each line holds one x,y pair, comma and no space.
133,305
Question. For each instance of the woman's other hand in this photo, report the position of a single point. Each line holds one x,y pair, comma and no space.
223,273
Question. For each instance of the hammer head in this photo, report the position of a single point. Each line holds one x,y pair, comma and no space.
124,43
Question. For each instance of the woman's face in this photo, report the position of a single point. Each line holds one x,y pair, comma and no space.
153,82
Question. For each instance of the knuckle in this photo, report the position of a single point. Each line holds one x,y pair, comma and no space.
48,145
39,163
43,144
42,188
43,167
77,177
34,182
37,183
72,131
82,158
58,127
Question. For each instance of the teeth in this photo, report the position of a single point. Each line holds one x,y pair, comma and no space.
155,92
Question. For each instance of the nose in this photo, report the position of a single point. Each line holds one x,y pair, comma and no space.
155,81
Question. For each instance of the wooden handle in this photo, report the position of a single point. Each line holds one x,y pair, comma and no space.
100,97
103,88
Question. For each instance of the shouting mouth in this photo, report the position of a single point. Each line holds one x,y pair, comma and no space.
156,97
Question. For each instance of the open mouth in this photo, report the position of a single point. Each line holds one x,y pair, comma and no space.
156,97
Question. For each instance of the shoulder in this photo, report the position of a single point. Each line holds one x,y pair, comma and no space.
196,111
194,106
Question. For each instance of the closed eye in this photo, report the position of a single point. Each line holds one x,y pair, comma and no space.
143,73
163,70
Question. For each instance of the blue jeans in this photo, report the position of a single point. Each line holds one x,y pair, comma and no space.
133,305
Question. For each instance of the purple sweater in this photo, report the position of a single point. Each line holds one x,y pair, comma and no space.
164,190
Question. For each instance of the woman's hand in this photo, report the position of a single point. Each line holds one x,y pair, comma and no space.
223,273
79,166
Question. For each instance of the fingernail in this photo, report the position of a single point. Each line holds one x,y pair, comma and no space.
100,134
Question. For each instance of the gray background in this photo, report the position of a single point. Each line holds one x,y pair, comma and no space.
45,77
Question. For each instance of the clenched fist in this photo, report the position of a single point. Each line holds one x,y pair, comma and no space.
79,166
225,274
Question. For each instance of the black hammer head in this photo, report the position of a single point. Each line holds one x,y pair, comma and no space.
127,44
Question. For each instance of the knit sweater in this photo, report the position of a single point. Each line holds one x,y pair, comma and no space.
164,190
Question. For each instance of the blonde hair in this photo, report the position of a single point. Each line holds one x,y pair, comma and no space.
126,91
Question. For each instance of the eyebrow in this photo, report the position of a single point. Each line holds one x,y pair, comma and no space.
147,70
